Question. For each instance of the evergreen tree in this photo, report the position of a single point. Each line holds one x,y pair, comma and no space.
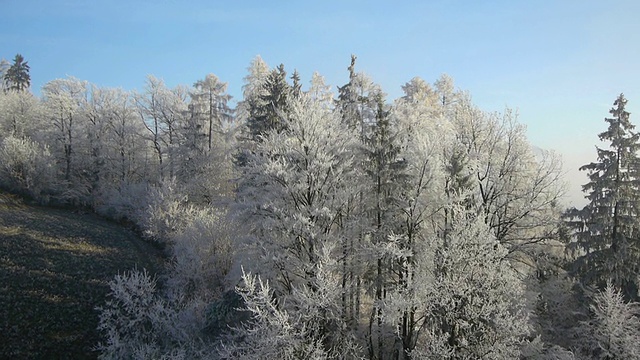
606,229
267,110
296,87
252,88
357,101
17,76
385,168
613,330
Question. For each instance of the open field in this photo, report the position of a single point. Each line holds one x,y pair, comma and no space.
54,271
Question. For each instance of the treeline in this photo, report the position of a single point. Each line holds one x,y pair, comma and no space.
308,224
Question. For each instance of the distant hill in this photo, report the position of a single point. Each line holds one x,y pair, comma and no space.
55,266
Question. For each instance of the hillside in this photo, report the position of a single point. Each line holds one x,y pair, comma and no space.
55,266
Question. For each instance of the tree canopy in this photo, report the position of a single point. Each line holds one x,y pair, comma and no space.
308,224
17,75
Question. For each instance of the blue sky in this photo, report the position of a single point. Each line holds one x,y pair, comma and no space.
560,63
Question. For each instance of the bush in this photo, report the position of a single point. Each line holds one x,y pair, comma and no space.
139,324
613,332
127,202
202,255
25,168
168,212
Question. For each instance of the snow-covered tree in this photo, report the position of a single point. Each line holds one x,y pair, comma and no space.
296,85
20,114
209,106
319,91
516,192
126,152
26,167
357,100
296,188
139,323
465,300
268,109
445,91
64,100
382,203
606,229
252,87
416,203
362,109
296,192
162,111
4,66
207,138
95,130
307,324
613,332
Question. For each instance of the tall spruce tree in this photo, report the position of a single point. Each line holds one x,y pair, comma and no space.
357,101
17,76
383,203
606,228
267,110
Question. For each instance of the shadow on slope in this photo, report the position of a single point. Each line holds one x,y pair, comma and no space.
55,266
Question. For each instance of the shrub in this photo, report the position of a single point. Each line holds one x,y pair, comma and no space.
25,168
126,202
139,324
202,255
168,212
614,328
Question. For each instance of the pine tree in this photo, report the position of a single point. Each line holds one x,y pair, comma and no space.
384,207
357,101
17,76
296,87
613,331
267,110
606,229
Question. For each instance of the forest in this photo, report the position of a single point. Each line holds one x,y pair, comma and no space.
319,222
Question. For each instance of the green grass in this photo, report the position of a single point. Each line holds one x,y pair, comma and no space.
55,266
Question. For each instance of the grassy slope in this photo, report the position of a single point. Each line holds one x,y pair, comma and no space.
54,269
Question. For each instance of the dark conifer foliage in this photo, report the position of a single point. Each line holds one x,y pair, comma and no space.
606,229
268,109
17,77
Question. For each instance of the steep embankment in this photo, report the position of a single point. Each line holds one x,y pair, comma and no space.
55,266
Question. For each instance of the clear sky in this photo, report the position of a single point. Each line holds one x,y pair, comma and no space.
561,63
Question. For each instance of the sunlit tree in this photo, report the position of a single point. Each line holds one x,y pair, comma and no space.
17,76
607,228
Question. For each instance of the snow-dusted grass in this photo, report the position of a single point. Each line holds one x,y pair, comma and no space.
55,266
